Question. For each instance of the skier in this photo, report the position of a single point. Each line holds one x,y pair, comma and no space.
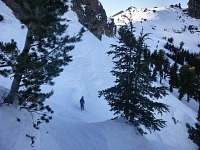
82,102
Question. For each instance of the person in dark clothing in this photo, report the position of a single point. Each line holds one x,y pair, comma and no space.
82,102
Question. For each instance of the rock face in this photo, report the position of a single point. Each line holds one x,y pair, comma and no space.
194,8
92,15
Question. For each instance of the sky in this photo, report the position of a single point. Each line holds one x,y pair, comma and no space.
114,6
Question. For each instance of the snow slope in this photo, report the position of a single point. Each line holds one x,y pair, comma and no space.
92,129
163,23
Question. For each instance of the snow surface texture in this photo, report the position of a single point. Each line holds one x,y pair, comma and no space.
92,129
163,23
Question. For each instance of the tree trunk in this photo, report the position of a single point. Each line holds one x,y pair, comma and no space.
14,89
19,71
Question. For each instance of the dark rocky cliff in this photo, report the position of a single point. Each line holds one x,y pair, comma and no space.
194,8
90,14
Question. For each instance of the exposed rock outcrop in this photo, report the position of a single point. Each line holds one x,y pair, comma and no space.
92,15
194,8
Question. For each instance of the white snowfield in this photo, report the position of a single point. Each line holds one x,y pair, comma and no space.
93,129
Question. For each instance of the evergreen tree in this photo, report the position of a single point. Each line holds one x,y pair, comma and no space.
196,95
161,64
196,91
194,132
173,75
187,81
133,93
44,54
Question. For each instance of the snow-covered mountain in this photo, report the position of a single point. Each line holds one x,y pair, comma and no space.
163,23
92,129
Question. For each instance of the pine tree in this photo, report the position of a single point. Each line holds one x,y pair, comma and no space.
173,75
187,81
196,92
133,93
44,54
161,64
194,132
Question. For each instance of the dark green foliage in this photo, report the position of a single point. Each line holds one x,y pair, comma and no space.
43,18
186,81
180,55
8,56
194,132
173,77
133,93
196,88
161,62
193,59
44,55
